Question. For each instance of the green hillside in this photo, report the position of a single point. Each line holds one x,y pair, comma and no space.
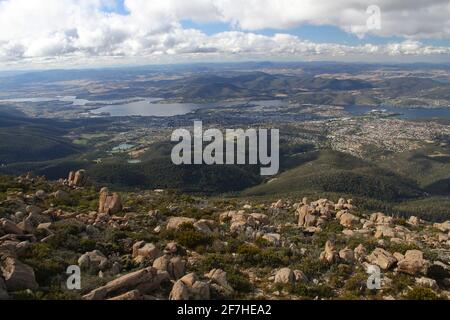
340,173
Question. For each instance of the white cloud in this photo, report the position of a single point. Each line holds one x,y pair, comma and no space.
44,31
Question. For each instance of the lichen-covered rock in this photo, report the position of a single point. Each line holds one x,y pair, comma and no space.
17,275
10,227
175,223
219,277
348,220
190,288
144,280
143,251
94,261
330,255
382,258
413,263
347,255
179,291
285,276
109,203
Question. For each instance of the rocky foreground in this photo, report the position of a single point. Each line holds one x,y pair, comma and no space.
163,245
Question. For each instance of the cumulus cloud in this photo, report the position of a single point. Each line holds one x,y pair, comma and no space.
77,30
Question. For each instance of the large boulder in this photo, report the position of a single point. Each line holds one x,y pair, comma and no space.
143,251
384,231
360,253
285,276
427,282
219,277
129,296
144,280
175,266
109,203
330,255
273,238
93,261
414,221
175,223
306,216
77,179
381,218
347,255
190,288
348,220
206,226
179,292
10,227
413,264
61,195
17,275
382,258
444,227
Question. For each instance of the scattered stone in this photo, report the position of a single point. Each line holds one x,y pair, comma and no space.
144,280
427,282
382,258
77,179
175,266
171,248
61,195
285,276
300,276
413,264
109,203
17,275
179,291
175,223
384,232
10,227
94,261
220,277
348,220
26,226
347,255
360,253
399,256
190,288
129,296
414,221
206,226
444,227
273,238
330,254
381,218
143,251
40,194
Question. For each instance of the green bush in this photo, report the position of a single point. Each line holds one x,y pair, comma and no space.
420,293
214,261
191,238
251,256
238,281
46,264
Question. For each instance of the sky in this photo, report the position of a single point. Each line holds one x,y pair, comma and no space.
71,33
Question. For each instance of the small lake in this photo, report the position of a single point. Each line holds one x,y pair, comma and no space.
403,113
153,108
